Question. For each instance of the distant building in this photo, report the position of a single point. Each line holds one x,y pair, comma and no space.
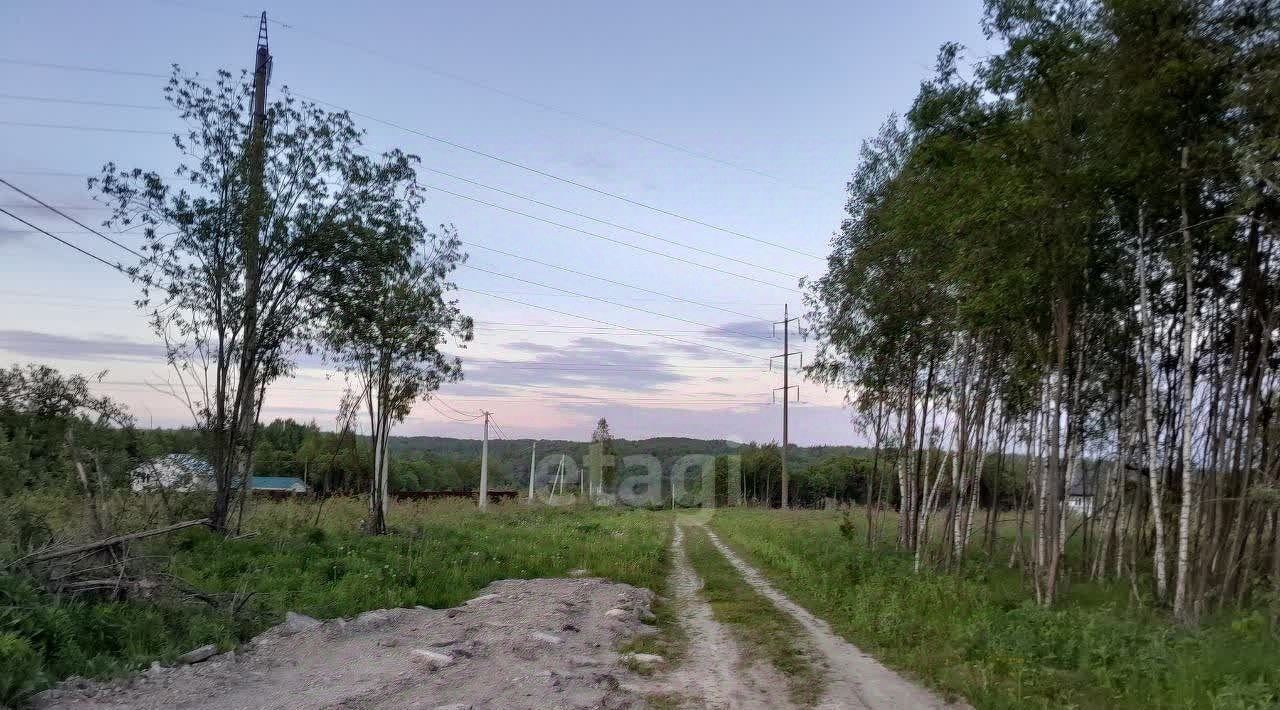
278,484
181,473
187,473
1080,494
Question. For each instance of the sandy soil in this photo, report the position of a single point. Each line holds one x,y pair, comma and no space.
854,679
542,643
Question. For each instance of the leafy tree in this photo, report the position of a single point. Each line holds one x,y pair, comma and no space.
84,427
391,313
1065,251
239,252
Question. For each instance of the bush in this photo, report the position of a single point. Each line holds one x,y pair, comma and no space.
20,669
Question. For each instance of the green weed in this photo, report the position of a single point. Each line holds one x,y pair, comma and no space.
976,634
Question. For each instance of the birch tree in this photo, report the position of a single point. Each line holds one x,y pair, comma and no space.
1086,221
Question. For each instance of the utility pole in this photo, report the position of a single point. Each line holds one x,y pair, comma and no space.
249,246
786,391
484,464
533,461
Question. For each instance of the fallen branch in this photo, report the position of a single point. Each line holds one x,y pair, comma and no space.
114,540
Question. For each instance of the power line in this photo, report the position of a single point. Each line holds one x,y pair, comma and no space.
562,325
544,106
446,415
501,434
66,216
510,95
19,205
610,281
507,398
606,222
596,235
614,303
69,127
74,67
80,102
423,134
553,223
554,331
558,178
619,400
50,173
562,397
441,400
534,365
89,254
614,325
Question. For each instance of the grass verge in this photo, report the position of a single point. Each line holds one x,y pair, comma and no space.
977,635
757,624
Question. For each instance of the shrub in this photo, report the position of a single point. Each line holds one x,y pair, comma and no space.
20,669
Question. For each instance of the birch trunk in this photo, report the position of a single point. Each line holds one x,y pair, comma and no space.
1149,418
1187,507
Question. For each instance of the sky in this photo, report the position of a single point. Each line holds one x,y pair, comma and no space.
737,124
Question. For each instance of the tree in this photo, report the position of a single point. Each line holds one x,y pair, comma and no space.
1072,252
83,422
390,315
604,463
239,252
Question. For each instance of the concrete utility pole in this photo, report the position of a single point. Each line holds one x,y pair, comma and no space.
786,391
533,462
484,464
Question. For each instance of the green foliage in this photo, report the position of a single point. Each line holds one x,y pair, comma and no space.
48,419
19,668
67,637
976,634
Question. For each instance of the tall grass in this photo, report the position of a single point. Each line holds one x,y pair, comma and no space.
976,634
439,554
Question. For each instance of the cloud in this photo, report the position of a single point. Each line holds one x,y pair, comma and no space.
473,389
47,345
528,347
747,334
584,363
8,235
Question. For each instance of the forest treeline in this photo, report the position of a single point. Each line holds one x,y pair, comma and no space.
35,454
1067,251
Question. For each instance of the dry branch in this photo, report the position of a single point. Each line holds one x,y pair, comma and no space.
114,540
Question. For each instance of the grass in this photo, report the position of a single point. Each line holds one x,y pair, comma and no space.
440,554
754,621
977,635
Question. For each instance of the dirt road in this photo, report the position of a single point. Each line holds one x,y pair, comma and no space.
715,672
854,679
